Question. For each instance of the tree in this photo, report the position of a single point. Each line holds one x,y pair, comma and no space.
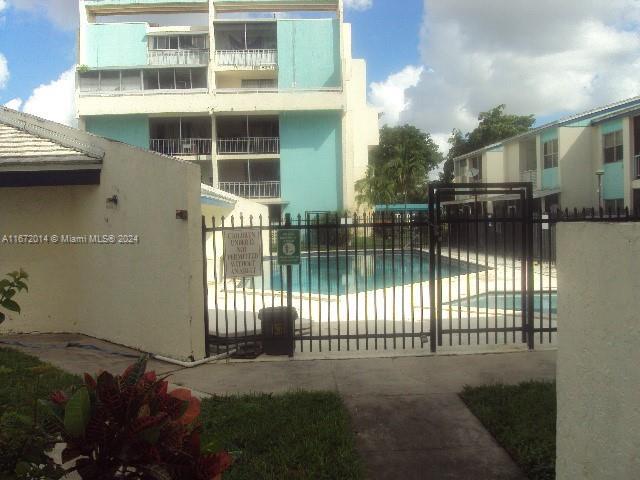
493,127
399,167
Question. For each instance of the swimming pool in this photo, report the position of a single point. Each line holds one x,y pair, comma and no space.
544,302
340,273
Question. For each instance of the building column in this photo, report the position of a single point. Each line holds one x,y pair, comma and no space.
214,151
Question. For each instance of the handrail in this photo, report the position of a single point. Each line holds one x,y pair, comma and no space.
178,57
181,146
247,58
247,145
262,189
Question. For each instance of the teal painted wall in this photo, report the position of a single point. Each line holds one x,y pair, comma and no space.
116,45
613,181
548,135
550,178
131,129
611,126
311,161
309,53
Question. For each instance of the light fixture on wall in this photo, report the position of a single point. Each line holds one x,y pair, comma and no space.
599,175
112,202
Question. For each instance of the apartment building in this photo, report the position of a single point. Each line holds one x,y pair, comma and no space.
587,160
262,94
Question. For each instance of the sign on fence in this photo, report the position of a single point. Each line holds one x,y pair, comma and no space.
289,247
242,252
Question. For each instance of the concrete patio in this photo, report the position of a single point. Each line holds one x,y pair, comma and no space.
408,418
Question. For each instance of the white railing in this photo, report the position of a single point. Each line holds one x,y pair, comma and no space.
247,58
269,189
529,176
181,146
178,57
254,145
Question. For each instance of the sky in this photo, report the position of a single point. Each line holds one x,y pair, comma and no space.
433,63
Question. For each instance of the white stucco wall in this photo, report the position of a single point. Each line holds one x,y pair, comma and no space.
578,179
598,359
147,296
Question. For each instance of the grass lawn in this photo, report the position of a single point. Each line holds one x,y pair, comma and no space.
522,418
305,435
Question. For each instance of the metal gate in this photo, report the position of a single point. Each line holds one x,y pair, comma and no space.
362,284
475,267
490,228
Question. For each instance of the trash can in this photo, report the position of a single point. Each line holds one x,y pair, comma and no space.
277,330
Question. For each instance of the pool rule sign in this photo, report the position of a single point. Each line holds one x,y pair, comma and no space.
289,247
242,252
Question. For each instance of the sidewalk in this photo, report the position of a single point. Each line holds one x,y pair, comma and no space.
409,420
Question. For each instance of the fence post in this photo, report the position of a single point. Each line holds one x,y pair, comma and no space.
432,272
287,223
205,282
530,273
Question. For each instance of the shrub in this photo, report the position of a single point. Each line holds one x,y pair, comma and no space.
15,283
129,426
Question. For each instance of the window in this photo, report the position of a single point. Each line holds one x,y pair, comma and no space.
259,83
550,153
131,80
460,168
476,164
89,81
110,81
613,147
183,78
151,79
167,79
614,205
198,78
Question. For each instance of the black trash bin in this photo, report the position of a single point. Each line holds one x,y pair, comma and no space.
277,330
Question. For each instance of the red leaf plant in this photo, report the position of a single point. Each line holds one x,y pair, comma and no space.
129,426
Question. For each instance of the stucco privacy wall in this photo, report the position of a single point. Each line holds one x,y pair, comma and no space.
147,296
598,375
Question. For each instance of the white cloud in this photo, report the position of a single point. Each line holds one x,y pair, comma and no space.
54,101
4,71
481,54
389,96
14,104
64,13
3,5
357,4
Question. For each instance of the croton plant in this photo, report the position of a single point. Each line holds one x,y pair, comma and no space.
130,426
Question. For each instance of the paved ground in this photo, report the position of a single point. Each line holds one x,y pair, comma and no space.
410,423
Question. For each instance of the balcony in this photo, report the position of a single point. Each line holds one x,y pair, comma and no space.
530,176
269,189
249,145
179,57
181,146
250,59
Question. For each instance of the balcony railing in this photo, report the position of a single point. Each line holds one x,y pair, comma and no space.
270,189
181,146
247,58
248,145
529,176
179,57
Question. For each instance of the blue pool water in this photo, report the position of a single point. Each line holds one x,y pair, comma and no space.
544,302
337,274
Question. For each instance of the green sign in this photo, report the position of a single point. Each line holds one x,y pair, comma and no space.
289,247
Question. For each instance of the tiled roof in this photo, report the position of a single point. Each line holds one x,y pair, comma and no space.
25,142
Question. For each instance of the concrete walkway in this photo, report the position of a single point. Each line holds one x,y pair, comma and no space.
409,420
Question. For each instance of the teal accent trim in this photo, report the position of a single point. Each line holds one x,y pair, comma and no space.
580,123
611,126
496,149
116,45
311,161
548,135
309,54
550,178
131,129
401,207
613,181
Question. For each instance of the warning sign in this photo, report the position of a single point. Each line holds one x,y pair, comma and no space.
242,252
289,247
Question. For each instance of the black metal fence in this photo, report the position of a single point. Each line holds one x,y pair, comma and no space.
373,282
